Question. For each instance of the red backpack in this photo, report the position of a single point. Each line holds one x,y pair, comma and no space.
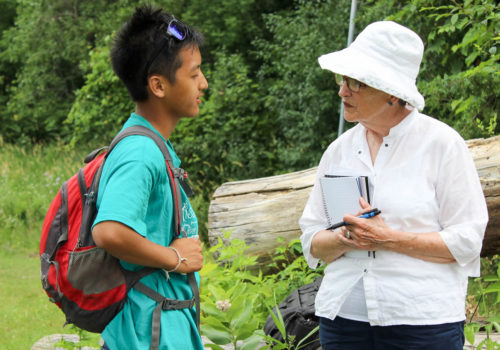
88,284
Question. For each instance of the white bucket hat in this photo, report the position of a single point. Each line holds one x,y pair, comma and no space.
385,56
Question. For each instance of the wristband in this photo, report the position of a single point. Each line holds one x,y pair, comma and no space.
179,260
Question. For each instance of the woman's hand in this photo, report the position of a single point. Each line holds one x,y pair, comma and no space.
366,234
328,245
374,234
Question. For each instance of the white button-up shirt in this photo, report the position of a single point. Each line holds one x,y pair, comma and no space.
423,180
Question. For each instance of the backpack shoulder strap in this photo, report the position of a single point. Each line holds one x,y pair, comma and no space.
173,174
141,130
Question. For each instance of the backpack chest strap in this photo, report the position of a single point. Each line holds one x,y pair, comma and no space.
163,304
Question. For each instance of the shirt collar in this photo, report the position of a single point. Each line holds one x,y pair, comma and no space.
396,131
402,127
136,119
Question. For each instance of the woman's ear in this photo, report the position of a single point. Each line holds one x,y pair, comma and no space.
157,85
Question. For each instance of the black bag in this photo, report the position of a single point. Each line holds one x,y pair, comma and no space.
298,314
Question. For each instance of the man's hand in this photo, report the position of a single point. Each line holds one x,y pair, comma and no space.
190,250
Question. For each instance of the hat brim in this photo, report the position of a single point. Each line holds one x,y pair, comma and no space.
355,64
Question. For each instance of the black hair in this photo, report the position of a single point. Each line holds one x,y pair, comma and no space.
142,48
401,102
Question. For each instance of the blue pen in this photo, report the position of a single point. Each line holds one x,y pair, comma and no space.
366,215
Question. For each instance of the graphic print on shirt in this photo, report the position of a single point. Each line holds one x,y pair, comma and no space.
189,220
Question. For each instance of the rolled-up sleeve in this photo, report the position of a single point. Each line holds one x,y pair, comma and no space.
463,211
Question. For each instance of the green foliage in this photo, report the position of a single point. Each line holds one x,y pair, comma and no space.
228,27
231,295
484,293
460,72
473,90
289,342
236,299
8,14
85,340
300,96
224,142
269,108
102,105
47,47
29,179
7,70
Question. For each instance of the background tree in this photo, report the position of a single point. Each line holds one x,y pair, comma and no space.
269,108
460,74
301,97
7,69
49,43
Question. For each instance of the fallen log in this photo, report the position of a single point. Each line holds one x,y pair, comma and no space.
259,211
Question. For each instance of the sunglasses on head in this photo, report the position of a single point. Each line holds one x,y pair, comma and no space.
174,30
353,84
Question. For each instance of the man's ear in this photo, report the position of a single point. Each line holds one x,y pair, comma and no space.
157,85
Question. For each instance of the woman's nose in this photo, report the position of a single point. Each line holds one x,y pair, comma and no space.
344,90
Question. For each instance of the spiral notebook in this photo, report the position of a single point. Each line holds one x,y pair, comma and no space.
341,195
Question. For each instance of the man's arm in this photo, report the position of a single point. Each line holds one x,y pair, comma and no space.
124,243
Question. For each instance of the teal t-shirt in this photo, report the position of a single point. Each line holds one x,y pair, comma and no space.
134,190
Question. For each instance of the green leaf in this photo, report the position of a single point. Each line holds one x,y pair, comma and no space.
240,318
469,332
209,308
307,339
278,320
490,278
492,288
252,343
213,346
470,58
218,334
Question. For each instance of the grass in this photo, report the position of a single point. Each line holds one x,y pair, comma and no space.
27,315
29,180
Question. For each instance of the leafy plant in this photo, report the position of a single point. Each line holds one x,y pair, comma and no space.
231,296
486,296
85,340
236,298
460,71
301,97
289,340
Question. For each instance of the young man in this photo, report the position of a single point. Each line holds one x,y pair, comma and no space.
158,59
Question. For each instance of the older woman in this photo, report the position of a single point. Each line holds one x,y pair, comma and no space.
397,280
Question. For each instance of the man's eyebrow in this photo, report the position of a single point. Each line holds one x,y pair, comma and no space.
195,68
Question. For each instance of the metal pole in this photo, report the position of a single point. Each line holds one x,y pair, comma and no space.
350,36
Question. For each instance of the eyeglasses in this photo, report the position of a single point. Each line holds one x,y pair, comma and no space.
353,84
175,30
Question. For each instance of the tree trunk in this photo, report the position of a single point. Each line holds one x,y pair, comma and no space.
261,210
